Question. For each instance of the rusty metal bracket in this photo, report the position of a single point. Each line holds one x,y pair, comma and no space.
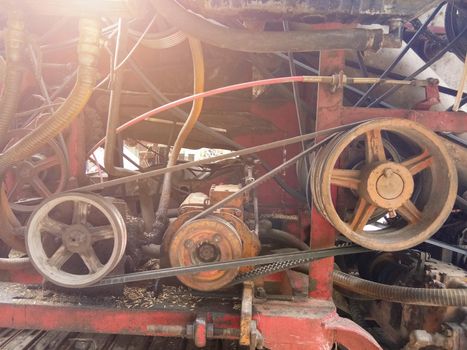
431,96
246,313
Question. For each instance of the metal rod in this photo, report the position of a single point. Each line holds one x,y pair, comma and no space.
460,91
315,71
283,89
440,54
113,118
53,96
138,42
132,161
296,94
403,52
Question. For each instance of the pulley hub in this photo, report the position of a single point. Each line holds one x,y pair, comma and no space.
24,170
206,240
387,185
77,238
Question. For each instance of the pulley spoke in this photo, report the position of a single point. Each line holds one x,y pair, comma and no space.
101,232
374,150
418,163
40,187
410,212
60,257
80,212
346,178
91,260
13,191
52,226
46,163
362,214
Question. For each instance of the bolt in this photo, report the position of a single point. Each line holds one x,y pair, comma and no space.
188,244
261,292
217,238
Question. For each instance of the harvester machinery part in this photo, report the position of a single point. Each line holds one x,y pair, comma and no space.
76,229
36,178
202,241
387,185
222,236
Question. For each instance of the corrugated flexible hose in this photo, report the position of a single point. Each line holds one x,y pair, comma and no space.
15,39
398,294
88,54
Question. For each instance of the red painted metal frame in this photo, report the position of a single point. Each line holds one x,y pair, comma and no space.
323,235
299,325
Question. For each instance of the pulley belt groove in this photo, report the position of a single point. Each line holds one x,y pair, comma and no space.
271,263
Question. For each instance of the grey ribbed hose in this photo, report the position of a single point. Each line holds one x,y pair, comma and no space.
397,294
88,53
15,38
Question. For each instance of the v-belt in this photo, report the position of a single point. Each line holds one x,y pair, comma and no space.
265,265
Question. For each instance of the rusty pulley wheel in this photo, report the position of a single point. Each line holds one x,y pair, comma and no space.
207,240
75,239
387,186
32,180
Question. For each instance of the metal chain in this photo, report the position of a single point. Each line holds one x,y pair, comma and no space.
269,269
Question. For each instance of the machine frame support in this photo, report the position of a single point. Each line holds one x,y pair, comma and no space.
305,323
